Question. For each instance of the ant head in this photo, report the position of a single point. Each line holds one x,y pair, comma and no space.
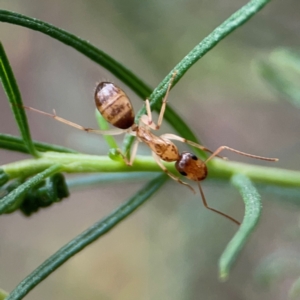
191,166
114,105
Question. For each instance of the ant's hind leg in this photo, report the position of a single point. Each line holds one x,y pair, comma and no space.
116,131
158,161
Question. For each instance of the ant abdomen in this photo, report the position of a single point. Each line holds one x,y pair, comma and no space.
191,166
114,105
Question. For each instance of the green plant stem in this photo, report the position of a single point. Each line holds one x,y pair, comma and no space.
86,238
267,175
80,163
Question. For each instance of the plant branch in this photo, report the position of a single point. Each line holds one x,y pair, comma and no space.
81,163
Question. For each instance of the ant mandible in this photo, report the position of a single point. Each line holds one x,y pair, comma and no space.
116,108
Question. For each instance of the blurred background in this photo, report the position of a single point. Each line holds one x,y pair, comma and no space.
169,248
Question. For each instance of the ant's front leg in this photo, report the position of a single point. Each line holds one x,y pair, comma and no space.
220,149
170,136
150,122
158,161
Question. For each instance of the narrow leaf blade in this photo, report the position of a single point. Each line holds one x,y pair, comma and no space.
253,206
15,143
14,96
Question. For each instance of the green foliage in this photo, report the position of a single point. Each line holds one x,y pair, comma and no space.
33,177
17,194
15,143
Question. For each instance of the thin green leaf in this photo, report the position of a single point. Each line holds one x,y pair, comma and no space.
3,177
14,196
14,96
101,58
282,72
15,143
85,238
252,213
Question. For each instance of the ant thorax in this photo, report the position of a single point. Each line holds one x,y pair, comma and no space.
164,148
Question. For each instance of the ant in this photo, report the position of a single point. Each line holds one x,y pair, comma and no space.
116,108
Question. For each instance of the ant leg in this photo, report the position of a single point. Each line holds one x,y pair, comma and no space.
133,152
132,155
239,152
215,153
163,107
158,161
170,136
149,113
147,119
164,102
214,210
77,126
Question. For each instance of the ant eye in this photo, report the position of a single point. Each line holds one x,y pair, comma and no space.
183,173
194,157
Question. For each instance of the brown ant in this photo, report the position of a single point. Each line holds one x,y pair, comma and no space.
116,108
